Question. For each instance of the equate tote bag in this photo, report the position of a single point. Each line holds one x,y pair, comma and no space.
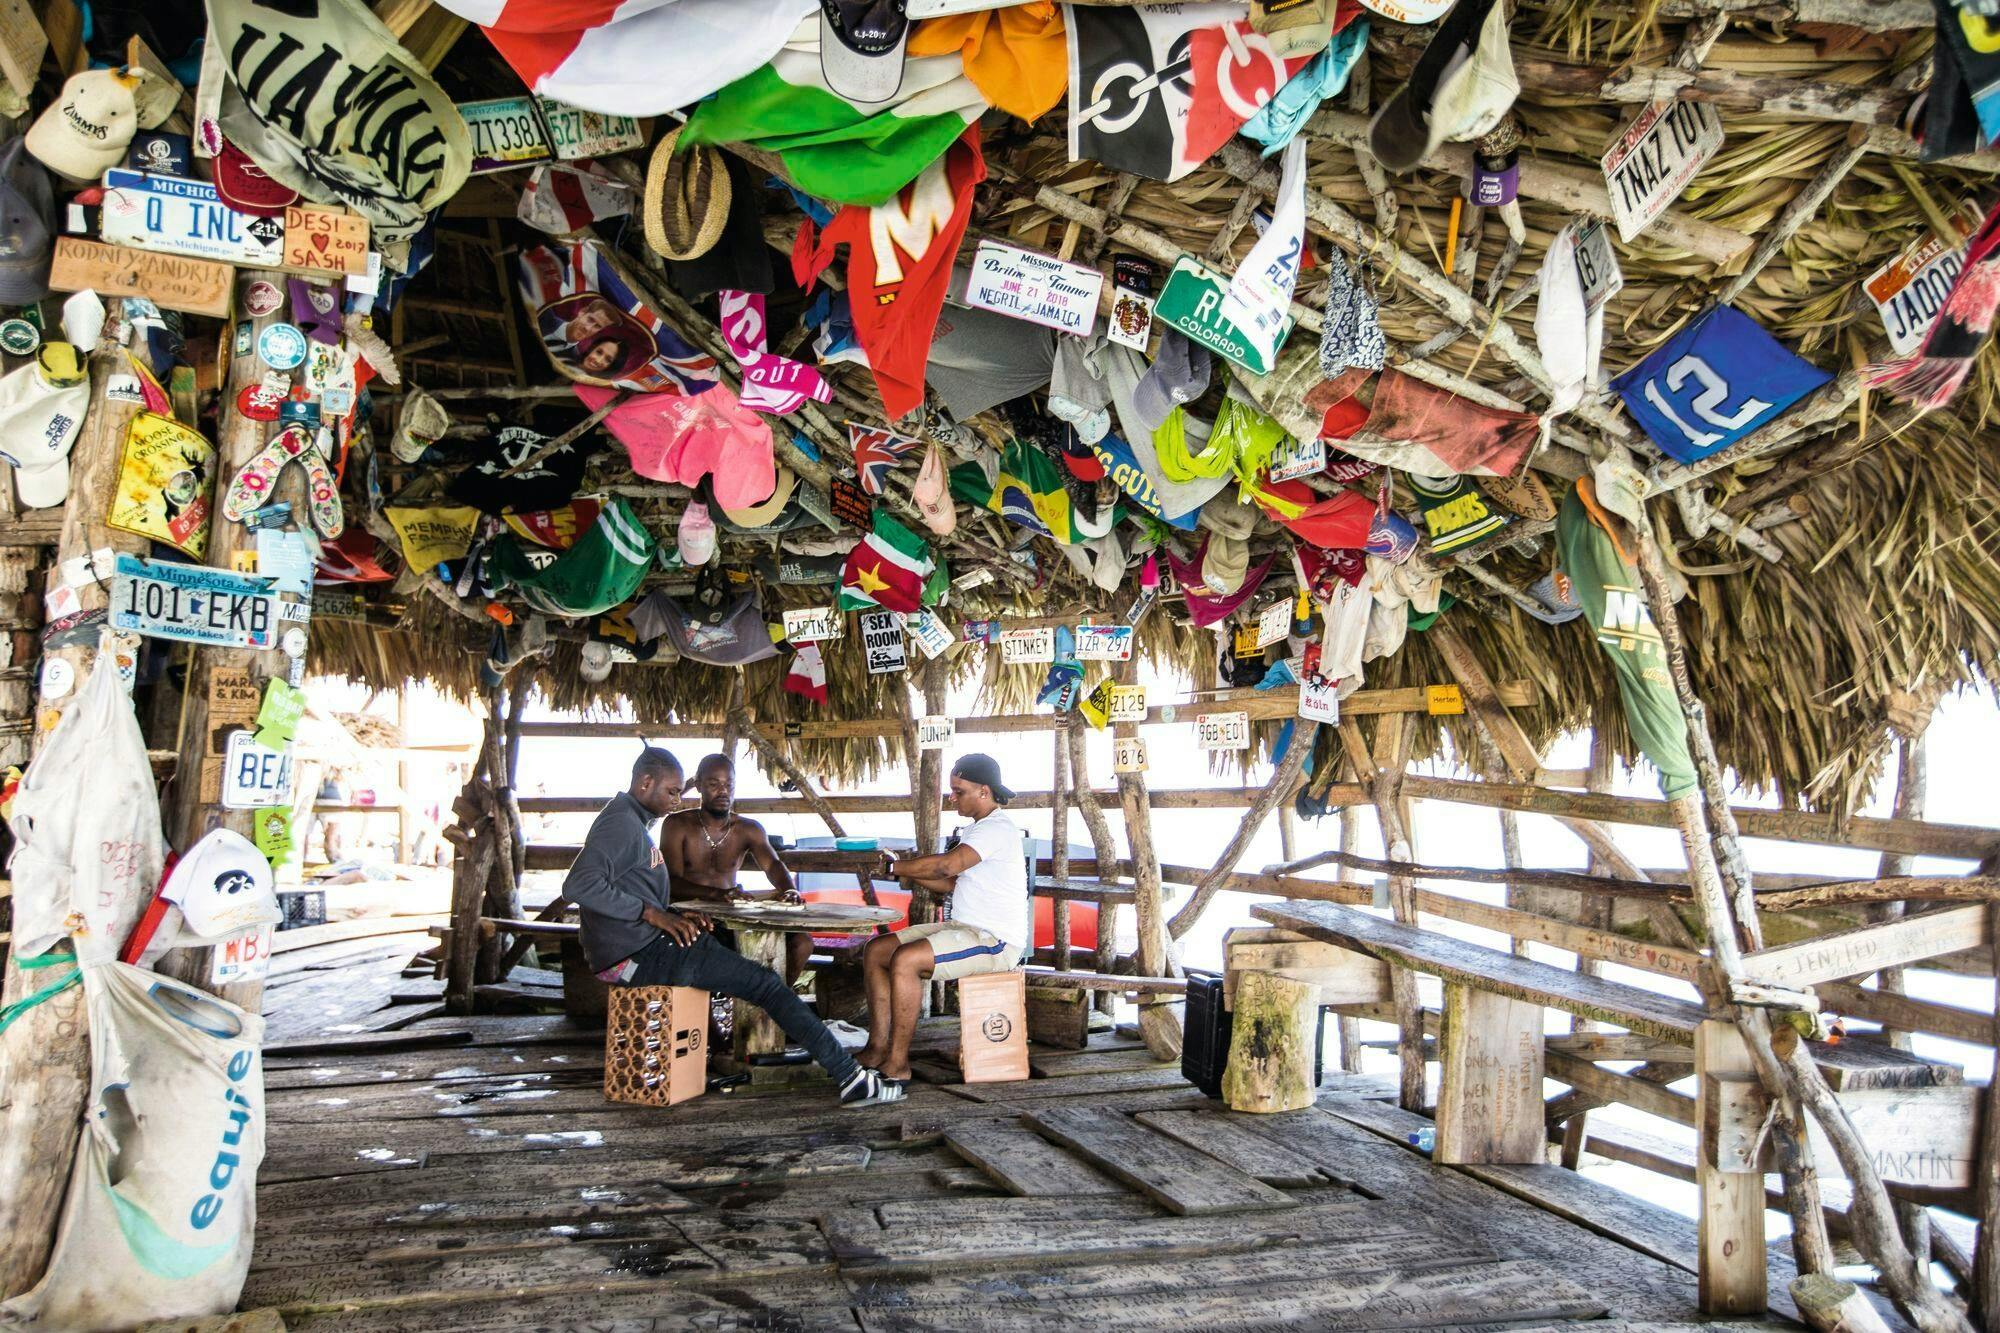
162,1203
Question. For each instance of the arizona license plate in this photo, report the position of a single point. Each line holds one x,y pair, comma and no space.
193,604
505,132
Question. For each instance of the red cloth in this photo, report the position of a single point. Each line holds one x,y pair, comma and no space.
1334,523
1434,433
896,293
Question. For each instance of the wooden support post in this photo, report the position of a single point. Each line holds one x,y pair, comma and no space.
194,812
1595,913
1107,858
1271,1044
927,808
44,1054
1911,770
733,717
1059,843
1350,1027
778,759
1489,1080
1381,771
406,815
1158,1025
1986,1251
1279,789
1786,1069
1730,1229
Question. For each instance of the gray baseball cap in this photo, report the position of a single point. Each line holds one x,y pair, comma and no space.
27,226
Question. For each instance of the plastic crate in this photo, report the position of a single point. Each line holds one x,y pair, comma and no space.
302,907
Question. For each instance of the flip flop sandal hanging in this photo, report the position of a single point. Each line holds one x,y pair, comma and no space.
258,480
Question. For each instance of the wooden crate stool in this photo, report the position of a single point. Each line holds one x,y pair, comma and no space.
656,1044
993,1027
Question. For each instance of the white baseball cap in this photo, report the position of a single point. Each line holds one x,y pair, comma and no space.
41,410
86,130
223,886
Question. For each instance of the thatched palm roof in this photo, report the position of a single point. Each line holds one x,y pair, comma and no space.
1872,585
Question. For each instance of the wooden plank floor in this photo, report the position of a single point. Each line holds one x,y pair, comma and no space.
470,1177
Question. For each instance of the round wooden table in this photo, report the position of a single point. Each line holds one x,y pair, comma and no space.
760,925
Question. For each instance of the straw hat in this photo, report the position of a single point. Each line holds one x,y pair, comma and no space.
687,199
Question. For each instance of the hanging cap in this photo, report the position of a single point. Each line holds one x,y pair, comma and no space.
247,187
88,128
861,47
222,886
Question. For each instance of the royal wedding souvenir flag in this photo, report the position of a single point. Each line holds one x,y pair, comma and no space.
597,330
833,148
1714,382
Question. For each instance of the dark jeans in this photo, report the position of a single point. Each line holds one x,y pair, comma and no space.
707,965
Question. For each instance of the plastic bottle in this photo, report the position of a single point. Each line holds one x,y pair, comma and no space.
1423,1140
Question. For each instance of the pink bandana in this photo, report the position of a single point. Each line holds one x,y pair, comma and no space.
771,383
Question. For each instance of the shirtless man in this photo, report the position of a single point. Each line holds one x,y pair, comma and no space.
705,849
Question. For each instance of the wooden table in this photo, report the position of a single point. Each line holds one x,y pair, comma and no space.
761,926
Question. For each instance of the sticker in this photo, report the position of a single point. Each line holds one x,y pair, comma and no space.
812,624
293,642
1103,643
61,602
1319,699
58,677
1040,289
882,641
279,716
931,633
124,650
123,388
1128,755
935,733
323,366
18,337
1131,319
1222,731
1020,646
1655,157
246,337
262,298
337,401
1128,703
848,503
258,403
1443,700
254,775
166,472
282,347
271,830
286,558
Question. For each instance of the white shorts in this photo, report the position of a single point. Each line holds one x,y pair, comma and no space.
959,950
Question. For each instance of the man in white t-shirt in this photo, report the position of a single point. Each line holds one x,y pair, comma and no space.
986,879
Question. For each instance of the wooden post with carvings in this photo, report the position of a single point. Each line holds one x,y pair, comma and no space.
1730,1228
1271,1045
1158,1024
1489,1106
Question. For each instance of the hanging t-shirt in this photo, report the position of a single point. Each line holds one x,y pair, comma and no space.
1456,513
993,894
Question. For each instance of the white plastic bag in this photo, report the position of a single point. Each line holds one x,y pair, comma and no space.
162,1203
88,824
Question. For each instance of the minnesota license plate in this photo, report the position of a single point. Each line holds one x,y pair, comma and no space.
193,604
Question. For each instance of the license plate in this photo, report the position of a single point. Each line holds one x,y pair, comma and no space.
1597,265
1909,291
505,132
184,217
193,604
1655,158
575,133
1191,301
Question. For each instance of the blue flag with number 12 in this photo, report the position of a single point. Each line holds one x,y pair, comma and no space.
1714,382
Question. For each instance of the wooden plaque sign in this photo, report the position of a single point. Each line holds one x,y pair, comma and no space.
23,43
175,282
320,240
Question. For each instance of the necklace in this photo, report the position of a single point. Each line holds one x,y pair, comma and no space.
713,841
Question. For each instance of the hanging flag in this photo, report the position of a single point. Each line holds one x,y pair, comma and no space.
807,674
598,330
876,453
1712,383
1028,491
899,266
1156,89
887,568
633,57
851,153
1433,432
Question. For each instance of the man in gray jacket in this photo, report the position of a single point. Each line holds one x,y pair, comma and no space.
633,936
